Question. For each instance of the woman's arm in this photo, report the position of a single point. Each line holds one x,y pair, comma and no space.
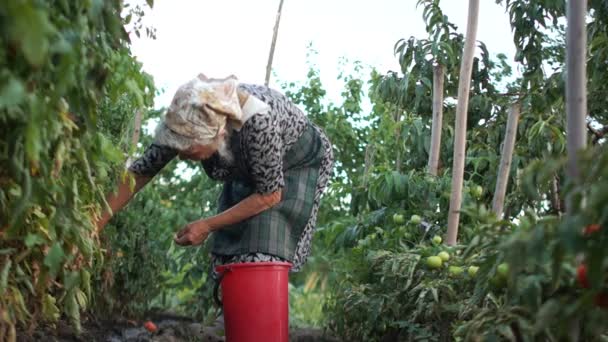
250,206
117,200
196,232
154,158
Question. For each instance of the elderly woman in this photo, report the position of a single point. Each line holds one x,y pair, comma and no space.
273,162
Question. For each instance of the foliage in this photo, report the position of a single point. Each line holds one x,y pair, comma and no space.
146,270
69,88
57,63
381,290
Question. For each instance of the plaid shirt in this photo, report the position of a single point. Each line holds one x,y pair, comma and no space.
274,231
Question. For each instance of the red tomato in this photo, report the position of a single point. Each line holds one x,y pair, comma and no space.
150,326
581,276
592,228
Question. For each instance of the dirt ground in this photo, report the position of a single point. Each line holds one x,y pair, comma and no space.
170,329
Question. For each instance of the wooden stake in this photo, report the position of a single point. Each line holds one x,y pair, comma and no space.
576,85
273,44
438,72
505,161
464,85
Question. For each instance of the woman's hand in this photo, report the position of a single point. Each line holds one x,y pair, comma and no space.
194,233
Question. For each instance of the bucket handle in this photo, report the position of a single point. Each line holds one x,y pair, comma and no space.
216,288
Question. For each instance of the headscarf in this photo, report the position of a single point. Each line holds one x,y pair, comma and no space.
199,111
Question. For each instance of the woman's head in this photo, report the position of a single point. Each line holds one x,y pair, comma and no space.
196,122
204,151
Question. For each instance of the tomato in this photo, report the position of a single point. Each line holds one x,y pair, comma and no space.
398,219
581,276
592,228
503,270
150,326
437,239
445,256
455,270
415,219
472,270
477,191
433,262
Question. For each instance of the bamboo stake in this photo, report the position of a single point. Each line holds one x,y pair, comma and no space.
576,87
438,72
576,103
273,44
505,161
464,85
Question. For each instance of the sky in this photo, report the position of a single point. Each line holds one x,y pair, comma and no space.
220,38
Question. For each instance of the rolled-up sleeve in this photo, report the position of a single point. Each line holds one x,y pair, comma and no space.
153,160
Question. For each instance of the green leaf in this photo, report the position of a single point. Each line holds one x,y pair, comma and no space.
71,280
12,93
72,310
81,298
33,240
32,28
22,313
50,311
54,259
85,282
33,144
4,275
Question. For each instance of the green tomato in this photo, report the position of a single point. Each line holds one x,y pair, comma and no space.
434,262
415,219
503,270
472,270
437,239
477,191
455,270
445,256
398,219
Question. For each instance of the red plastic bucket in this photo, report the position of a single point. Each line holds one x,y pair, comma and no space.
255,299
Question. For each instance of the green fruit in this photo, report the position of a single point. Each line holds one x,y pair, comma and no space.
398,219
415,219
477,191
455,270
503,270
437,239
472,270
445,256
433,262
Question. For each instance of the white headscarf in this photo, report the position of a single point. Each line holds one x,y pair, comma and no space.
200,109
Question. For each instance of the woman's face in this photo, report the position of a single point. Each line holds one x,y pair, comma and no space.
198,152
